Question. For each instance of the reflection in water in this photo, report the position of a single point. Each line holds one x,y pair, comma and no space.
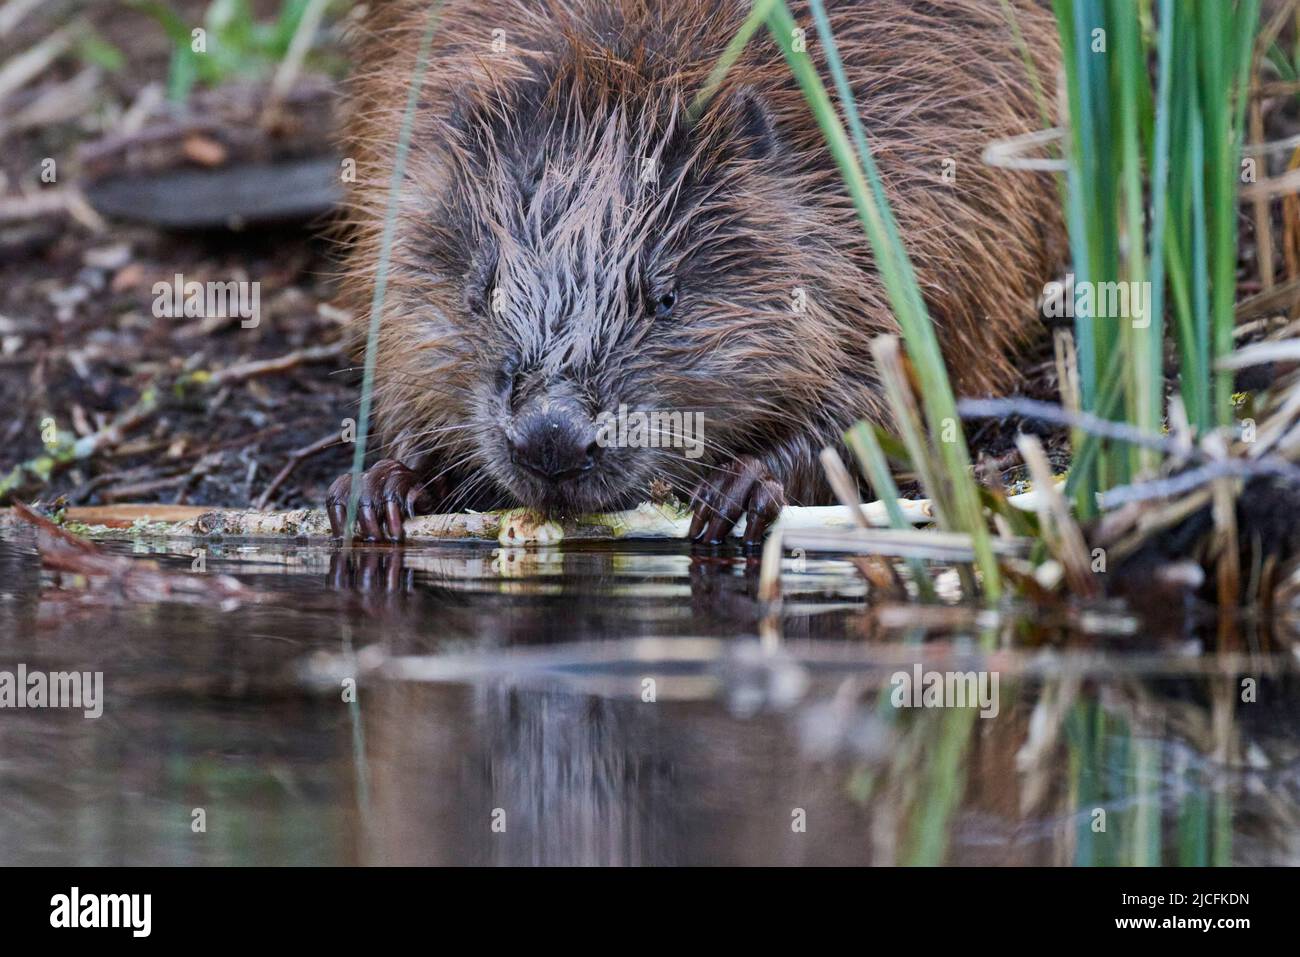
624,705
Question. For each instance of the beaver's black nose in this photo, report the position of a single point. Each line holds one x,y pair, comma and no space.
554,446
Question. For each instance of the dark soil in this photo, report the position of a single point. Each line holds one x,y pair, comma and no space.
80,344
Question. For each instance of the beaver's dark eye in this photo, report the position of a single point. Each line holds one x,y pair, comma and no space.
507,374
664,304
478,299
480,284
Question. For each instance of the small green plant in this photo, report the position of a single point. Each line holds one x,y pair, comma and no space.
233,43
93,48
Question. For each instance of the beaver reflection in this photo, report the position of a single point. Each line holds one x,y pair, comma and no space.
496,597
495,774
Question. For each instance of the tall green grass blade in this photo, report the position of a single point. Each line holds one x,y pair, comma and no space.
863,183
1144,762
385,256
1221,854
944,781
1145,391
1022,47
1199,346
1160,159
758,15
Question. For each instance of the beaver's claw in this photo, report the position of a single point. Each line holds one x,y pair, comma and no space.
390,493
743,487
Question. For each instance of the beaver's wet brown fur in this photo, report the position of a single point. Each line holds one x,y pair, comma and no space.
570,241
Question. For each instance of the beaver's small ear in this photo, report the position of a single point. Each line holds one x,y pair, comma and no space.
755,124
744,121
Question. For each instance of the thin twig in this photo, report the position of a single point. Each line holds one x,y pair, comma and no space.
1261,353
1192,479
20,209
1263,219
260,367
121,577
295,458
1040,411
19,70
843,485
299,46
1055,522
13,13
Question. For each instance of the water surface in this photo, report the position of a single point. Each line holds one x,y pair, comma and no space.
625,704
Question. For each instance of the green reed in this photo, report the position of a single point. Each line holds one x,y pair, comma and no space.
953,489
1154,165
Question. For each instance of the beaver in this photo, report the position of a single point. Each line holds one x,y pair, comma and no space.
577,235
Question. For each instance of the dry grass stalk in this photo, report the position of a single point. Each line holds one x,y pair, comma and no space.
880,574
1059,530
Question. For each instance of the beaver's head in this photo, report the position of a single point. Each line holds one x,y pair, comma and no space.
618,279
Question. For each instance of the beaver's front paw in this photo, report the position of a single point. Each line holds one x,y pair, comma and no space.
390,493
743,487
